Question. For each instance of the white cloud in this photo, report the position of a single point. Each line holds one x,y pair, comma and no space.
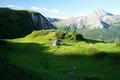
56,11
44,9
63,17
34,8
14,7
10,6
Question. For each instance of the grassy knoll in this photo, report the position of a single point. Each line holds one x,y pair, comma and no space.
72,60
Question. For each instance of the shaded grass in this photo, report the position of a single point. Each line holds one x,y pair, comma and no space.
72,60
36,57
10,71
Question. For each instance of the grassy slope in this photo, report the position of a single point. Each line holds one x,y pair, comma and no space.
71,60
15,23
110,34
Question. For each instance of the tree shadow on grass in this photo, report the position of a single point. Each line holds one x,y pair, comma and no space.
93,41
66,44
13,46
27,52
100,61
10,71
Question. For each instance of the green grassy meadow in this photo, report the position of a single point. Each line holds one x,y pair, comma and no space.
72,60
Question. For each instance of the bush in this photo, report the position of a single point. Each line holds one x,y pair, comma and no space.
79,37
60,34
68,35
118,44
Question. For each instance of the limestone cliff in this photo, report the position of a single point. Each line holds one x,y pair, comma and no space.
18,23
40,21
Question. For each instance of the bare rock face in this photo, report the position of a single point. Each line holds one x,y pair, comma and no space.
56,42
93,20
19,23
41,22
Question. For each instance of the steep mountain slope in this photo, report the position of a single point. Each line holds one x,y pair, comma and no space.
93,20
18,23
98,24
40,21
52,20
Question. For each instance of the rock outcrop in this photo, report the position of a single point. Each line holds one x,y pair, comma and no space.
18,23
96,19
40,21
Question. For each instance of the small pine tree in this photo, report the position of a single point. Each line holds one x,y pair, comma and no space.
117,42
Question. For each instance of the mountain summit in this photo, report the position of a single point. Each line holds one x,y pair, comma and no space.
99,13
93,20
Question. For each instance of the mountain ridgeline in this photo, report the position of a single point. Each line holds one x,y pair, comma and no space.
93,20
18,23
98,24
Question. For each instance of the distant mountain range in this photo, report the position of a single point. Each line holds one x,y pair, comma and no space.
93,20
52,20
98,24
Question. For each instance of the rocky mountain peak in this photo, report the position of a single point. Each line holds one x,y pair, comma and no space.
100,13
93,20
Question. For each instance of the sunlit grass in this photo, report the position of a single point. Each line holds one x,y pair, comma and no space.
36,52
67,46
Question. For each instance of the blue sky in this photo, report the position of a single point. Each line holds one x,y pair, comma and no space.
63,8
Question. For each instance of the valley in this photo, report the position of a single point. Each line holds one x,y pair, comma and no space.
97,24
33,47
73,59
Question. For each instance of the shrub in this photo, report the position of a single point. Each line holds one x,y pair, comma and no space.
60,34
73,36
79,37
118,44
68,35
